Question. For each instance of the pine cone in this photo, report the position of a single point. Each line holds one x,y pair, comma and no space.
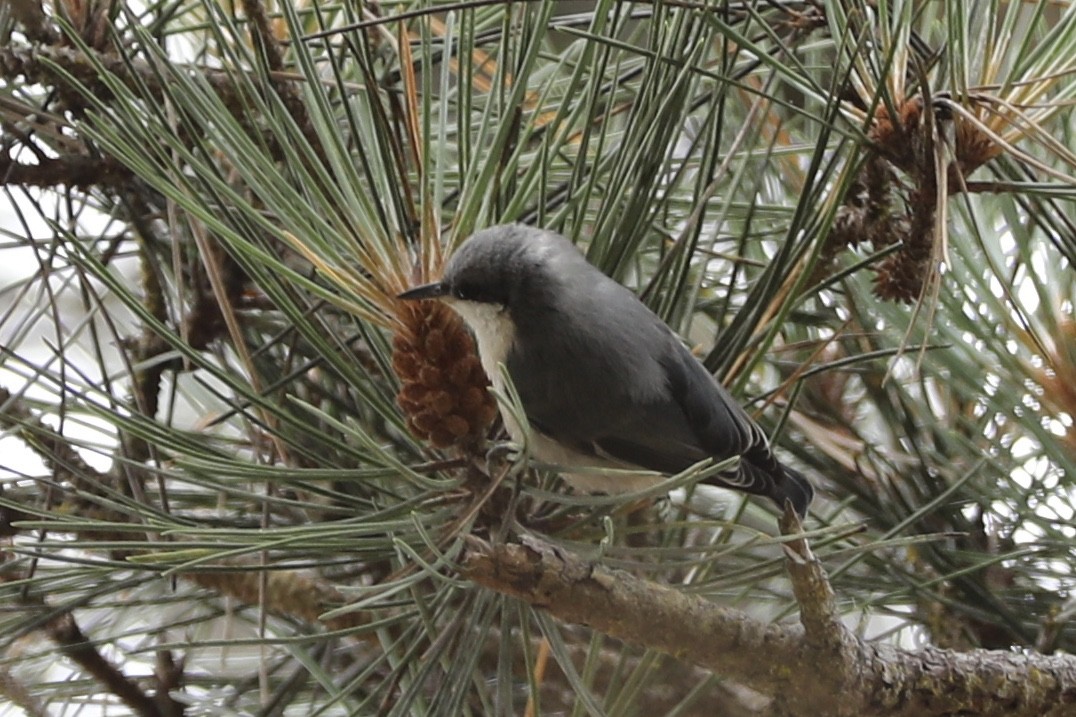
902,275
444,389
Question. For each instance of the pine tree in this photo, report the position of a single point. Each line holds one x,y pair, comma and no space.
240,477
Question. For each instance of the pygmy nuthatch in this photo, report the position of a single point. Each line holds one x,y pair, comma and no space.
604,383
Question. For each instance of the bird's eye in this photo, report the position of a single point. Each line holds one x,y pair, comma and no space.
468,291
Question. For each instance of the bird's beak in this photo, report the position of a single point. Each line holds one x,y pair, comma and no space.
436,290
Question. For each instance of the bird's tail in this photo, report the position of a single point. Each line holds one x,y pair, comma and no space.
794,488
780,484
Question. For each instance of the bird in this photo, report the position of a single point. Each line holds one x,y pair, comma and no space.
602,380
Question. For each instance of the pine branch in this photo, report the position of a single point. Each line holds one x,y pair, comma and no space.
20,695
60,626
73,71
65,632
71,171
816,668
58,66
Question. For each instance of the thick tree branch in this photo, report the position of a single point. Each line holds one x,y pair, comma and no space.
819,669
634,610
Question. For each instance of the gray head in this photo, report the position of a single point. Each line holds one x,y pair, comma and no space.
512,266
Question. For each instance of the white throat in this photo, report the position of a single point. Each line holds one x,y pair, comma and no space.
494,331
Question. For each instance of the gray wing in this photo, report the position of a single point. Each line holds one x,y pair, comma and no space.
695,409
723,430
670,415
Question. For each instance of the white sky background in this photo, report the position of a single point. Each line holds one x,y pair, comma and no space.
16,264
37,345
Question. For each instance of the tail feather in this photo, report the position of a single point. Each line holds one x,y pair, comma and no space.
794,488
788,485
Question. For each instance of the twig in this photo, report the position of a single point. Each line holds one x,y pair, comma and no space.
288,593
67,466
53,449
819,616
71,171
17,694
170,675
65,632
262,34
287,91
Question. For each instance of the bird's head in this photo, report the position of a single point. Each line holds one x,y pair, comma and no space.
511,267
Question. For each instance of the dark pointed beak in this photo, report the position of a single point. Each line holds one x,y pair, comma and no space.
427,291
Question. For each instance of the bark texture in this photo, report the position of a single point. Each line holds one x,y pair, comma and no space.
815,669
